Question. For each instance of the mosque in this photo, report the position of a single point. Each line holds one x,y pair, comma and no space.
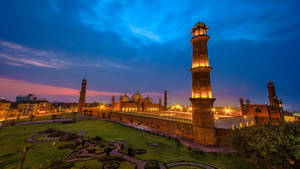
137,103
203,127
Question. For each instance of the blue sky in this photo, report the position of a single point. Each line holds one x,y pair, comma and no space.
122,46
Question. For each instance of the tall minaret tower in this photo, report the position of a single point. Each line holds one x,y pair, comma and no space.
165,100
202,100
82,95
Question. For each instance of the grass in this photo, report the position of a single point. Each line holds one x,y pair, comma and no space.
12,139
185,167
46,117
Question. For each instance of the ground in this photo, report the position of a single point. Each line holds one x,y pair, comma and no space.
12,140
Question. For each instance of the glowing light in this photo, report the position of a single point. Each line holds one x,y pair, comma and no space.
213,109
209,95
195,65
203,95
227,110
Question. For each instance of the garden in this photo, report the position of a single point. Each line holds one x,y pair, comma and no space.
102,144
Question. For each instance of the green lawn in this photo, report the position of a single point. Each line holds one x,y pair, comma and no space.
12,139
46,117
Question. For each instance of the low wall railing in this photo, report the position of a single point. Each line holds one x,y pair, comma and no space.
182,120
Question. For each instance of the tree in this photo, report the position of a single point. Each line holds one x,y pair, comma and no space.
90,115
54,116
74,116
108,150
24,152
31,117
270,146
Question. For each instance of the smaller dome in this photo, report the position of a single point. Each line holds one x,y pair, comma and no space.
137,96
124,98
148,99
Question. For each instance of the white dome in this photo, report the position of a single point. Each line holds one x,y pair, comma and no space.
137,96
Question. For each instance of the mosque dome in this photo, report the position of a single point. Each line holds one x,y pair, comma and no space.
148,99
124,98
137,96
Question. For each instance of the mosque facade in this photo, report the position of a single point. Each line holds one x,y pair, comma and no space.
136,103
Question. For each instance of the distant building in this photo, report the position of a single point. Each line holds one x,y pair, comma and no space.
36,107
4,108
29,97
82,95
135,104
165,100
60,107
264,113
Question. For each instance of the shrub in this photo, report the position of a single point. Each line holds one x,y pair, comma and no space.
140,151
270,146
54,117
70,146
56,133
68,122
50,130
110,158
12,122
71,136
130,152
152,164
111,165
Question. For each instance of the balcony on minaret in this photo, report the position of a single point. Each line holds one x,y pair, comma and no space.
203,95
195,65
199,29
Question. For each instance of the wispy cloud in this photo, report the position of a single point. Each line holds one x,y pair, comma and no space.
251,20
22,56
19,55
12,87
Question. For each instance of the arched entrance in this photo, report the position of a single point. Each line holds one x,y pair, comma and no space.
143,106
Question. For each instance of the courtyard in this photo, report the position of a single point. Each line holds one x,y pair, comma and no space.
154,148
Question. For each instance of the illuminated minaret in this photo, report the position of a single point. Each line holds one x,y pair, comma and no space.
272,94
165,100
113,102
82,95
202,100
159,103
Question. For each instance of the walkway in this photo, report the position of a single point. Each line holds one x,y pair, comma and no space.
182,141
46,121
139,163
186,163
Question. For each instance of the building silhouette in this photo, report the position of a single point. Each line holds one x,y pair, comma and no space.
82,95
264,113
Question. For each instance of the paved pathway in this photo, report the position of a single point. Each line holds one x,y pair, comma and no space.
186,163
182,141
139,163
46,121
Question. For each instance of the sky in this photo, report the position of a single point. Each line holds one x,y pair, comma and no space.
48,46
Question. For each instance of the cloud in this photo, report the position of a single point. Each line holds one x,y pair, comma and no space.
12,87
22,56
164,21
19,55
156,94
